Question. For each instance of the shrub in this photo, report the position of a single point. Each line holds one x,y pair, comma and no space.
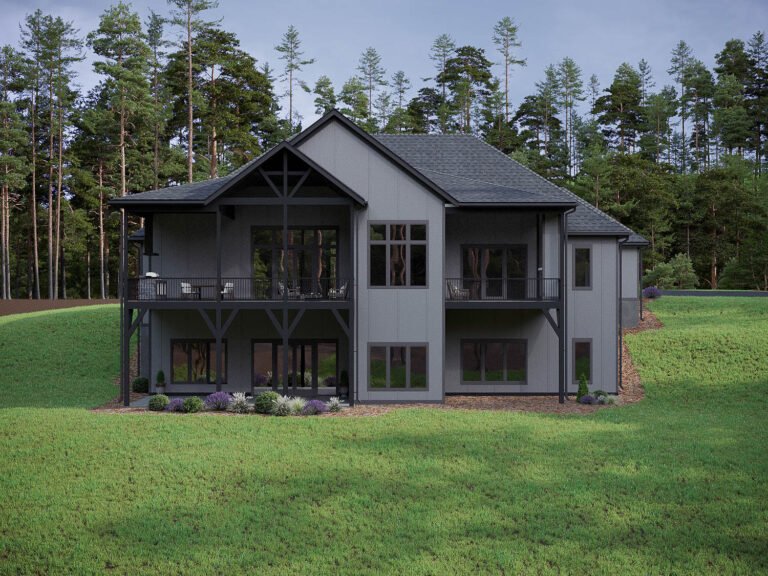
297,404
158,402
140,385
334,404
281,406
651,292
314,407
192,404
160,378
175,405
239,403
583,388
218,401
676,273
599,393
587,399
264,403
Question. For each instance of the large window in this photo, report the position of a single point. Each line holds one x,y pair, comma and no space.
398,366
398,254
311,364
194,362
582,360
495,271
582,267
494,361
312,255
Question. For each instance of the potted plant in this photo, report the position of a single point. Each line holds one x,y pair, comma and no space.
160,382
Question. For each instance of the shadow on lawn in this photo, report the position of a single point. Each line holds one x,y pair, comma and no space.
506,495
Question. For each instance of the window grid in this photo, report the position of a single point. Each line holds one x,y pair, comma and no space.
483,344
409,368
389,243
208,346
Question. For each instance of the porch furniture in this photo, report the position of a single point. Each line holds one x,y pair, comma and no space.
190,291
293,293
338,293
457,293
228,292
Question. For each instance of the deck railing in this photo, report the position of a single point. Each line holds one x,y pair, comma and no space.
207,288
483,289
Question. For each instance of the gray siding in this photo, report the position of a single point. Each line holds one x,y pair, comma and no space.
593,314
630,286
408,315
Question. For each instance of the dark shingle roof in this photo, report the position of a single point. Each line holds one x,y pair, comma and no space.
464,167
491,176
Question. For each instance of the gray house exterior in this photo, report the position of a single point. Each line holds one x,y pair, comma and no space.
379,268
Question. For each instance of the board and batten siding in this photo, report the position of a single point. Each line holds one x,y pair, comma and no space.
593,313
630,286
391,315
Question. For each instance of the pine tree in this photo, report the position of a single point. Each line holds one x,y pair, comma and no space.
570,91
505,39
157,44
371,75
291,53
186,15
468,75
619,110
353,96
325,100
400,86
697,98
757,96
681,57
13,162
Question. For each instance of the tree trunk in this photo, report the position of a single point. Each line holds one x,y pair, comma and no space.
63,275
58,199
88,269
3,284
190,118
102,271
51,292
33,202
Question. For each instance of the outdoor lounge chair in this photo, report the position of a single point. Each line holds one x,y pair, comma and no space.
456,293
338,293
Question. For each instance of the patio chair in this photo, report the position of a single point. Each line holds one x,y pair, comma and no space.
189,291
293,293
339,293
228,292
457,293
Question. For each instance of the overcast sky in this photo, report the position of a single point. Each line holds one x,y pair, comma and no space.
598,34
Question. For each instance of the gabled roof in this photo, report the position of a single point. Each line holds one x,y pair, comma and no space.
460,168
207,191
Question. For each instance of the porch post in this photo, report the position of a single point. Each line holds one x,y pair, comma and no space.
561,317
125,312
539,256
286,262
218,348
351,288
218,255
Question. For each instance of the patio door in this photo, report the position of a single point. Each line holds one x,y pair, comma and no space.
495,272
312,366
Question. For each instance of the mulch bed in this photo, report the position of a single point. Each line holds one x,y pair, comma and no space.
631,392
20,306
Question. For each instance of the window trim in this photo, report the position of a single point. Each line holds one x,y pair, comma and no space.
210,365
275,342
575,341
387,346
583,246
485,342
276,275
408,243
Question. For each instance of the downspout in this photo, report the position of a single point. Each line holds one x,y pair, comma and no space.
640,279
563,316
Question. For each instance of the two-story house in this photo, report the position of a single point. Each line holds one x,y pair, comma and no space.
381,268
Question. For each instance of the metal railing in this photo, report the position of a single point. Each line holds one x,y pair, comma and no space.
483,289
208,289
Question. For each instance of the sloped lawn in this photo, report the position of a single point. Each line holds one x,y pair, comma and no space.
674,484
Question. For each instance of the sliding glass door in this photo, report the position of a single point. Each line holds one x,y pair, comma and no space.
312,366
495,272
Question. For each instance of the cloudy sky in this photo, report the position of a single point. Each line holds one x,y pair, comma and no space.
598,34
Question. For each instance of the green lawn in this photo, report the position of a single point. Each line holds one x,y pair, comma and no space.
677,483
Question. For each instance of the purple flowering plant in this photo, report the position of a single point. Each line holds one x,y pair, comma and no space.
175,405
314,407
218,401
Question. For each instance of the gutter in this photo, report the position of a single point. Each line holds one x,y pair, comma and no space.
620,319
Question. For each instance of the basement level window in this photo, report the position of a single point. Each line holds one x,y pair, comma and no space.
494,362
194,362
397,367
